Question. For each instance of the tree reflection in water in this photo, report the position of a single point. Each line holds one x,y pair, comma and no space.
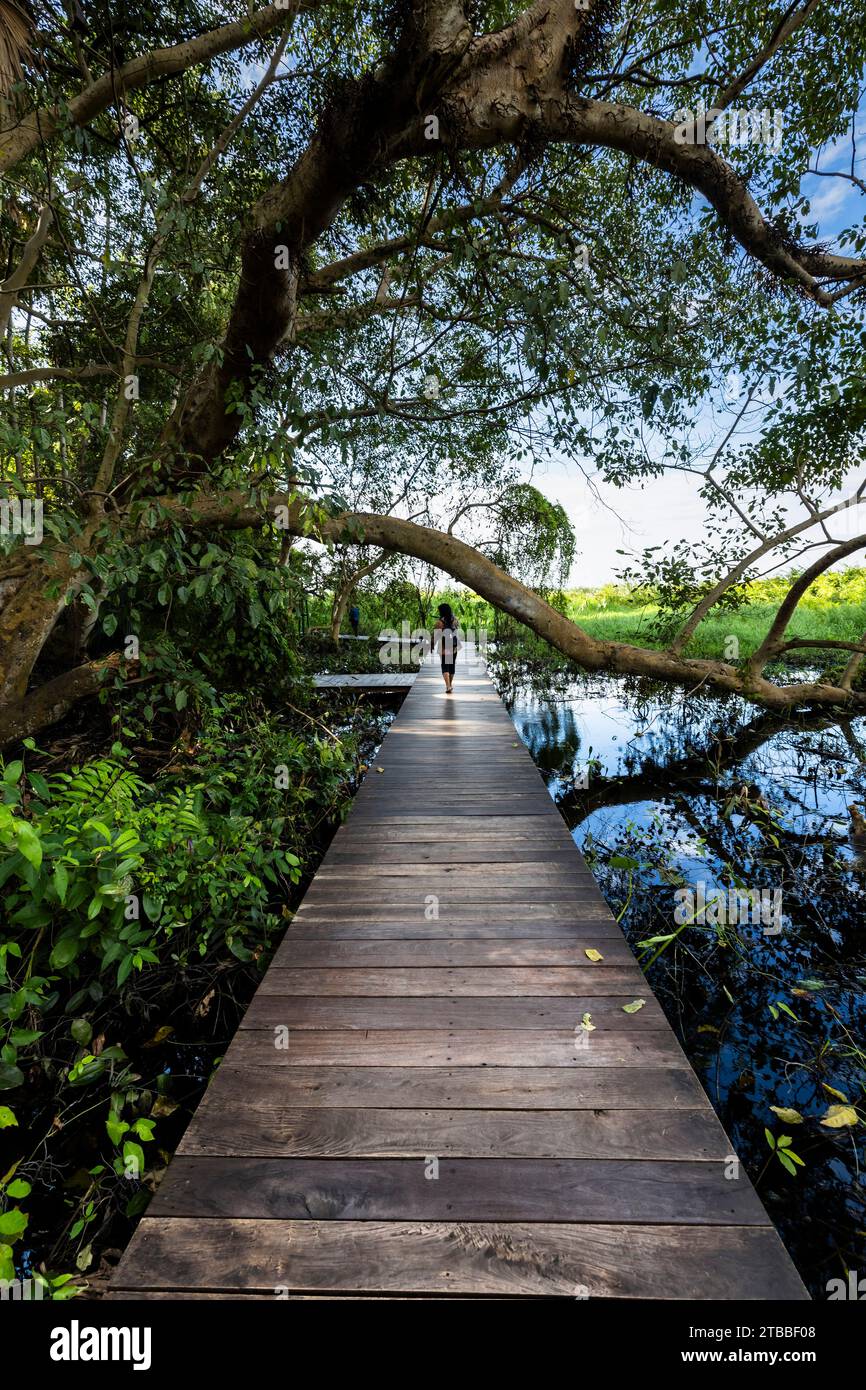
702,788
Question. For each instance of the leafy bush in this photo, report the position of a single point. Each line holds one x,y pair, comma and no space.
117,898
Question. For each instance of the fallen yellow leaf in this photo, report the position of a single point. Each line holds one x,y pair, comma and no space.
593,954
831,1091
790,1117
634,1006
838,1116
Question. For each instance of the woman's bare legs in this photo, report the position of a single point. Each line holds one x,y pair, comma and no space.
446,676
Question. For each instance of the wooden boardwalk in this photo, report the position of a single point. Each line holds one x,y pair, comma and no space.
412,1105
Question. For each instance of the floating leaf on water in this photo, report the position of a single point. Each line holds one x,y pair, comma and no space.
634,1006
592,954
839,1116
831,1091
790,1117
812,984
163,1105
165,1031
708,1028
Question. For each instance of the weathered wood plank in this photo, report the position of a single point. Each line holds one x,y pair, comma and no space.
386,982
246,1085
590,1261
300,952
275,1130
467,1048
649,1192
462,927
544,1015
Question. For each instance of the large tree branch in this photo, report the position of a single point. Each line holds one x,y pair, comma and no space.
788,25
298,516
34,375
147,68
54,699
504,89
15,282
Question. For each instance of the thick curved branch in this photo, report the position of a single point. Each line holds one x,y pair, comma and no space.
15,282
39,126
788,25
298,516
53,700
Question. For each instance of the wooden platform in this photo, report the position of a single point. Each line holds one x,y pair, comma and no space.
413,1105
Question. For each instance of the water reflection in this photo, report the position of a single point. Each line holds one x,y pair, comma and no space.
709,789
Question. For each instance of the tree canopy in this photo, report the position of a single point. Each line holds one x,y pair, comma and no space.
353,272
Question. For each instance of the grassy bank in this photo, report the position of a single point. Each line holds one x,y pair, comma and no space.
835,608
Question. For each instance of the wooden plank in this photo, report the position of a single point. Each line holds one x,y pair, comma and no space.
535,1014
391,981
467,1048
300,952
248,1084
402,928
377,681
275,1130
590,1261
491,1189
608,1011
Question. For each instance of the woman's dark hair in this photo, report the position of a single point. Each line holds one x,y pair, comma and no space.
446,613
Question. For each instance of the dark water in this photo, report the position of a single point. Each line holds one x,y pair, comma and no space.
769,1009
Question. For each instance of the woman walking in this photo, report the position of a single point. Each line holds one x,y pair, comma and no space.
448,643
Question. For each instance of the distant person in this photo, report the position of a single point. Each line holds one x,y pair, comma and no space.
355,618
449,644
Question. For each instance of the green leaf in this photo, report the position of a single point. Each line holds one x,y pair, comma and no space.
60,878
10,1077
18,1188
28,843
135,1152
12,773
116,1128
7,1117
64,952
81,1030
13,1223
